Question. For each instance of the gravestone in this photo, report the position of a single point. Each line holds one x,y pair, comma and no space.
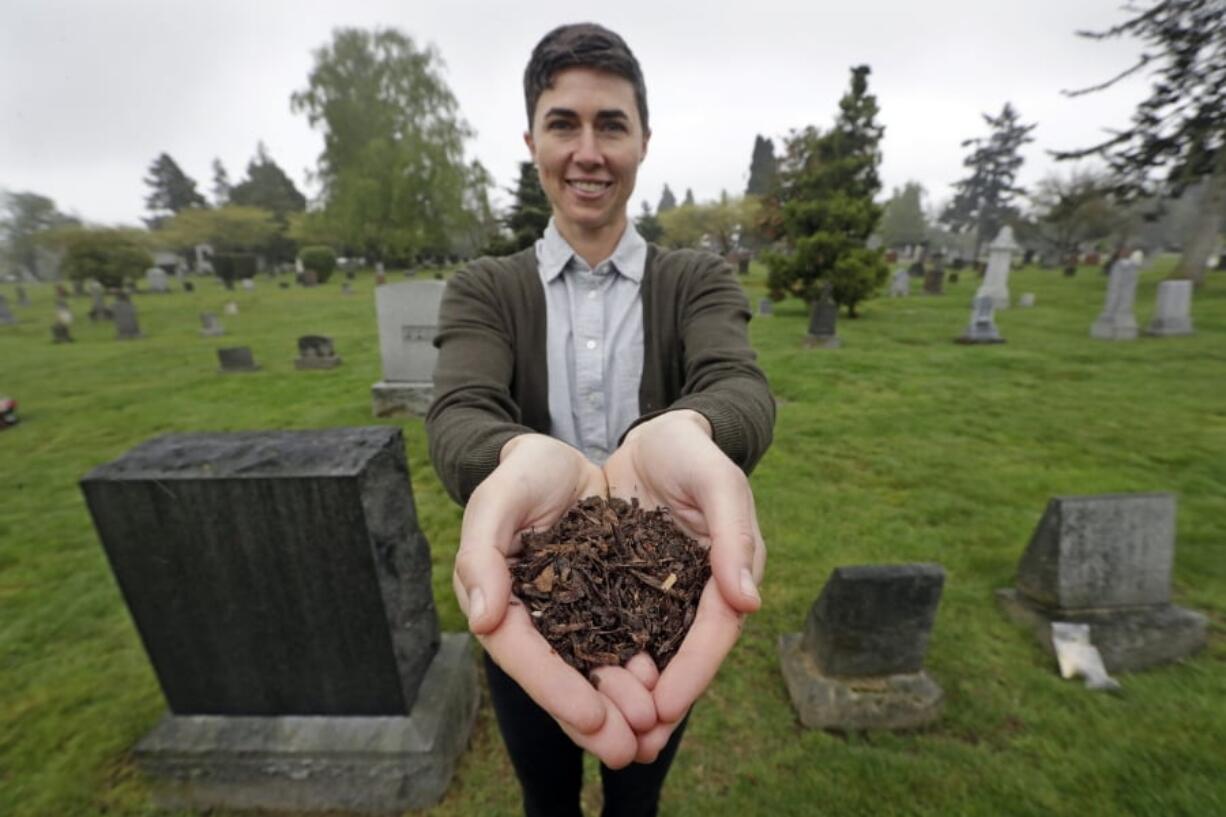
900,283
124,314
742,264
248,284
22,298
230,308
1026,300
280,584
860,662
934,281
63,312
346,288
316,352
953,278
766,307
982,328
380,280
284,285
310,278
157,280
823,322
350,275
1172,315
236,359
210,325
408,320
7,318
60,333
299,269
188,286
98,310
379,269
1106,561
1117,321
996,278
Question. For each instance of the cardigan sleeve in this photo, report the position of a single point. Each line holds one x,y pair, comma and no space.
473,414
722,379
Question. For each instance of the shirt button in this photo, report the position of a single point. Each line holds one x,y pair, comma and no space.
591,344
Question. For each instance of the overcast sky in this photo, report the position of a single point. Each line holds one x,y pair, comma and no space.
91,91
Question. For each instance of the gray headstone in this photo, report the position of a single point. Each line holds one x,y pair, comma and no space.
766,307
316,352
859,662
124,313
6,315
231,308
60,333
1026,300
157,279
1173,314
823,321
281,587
237,359
210,325
982,328
346,288
874,619
98,310
1000,259
1106,560
248,284
1117,321
900,283
934,281
408,321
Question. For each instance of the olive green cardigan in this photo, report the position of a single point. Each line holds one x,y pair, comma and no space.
491,382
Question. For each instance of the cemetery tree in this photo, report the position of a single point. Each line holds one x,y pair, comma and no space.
667,201
112,256
983,201
1178,133
25,221
689,198
233,230
763,168
823,209
394,178
683,226
648,225
530,211
221,184
170,190
903,222
267,187
1074,210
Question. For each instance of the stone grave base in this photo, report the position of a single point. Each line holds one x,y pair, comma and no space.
970,340
1127,639
393,399
1105,330
1165,329
239,369
316,362
903,701
364,765
814,342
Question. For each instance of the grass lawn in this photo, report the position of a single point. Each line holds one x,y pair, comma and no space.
901,446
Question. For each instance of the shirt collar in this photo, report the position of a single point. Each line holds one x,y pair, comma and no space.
554,253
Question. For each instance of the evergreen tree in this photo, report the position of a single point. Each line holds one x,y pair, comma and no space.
221,184
824,208
648,225
1178,133
667,201
268,187
171,190
530,211
982,201
903,222
689,198
763,168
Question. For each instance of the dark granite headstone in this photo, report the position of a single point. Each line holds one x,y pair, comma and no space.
953,278
1221,262
237,359
188,286
316,352
823,320
6,315
1106,560
60,333
284,285
281,587
124,313
350,275
859,663
874,619
742,265
934,282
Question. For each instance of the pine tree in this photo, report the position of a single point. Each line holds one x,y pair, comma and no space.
531,210
1178,133
667,201
171,190
221,184
824,206
268,186
689,198
763,168
983,200
648,225
903,222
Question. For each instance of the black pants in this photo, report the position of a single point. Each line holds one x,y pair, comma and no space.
550,767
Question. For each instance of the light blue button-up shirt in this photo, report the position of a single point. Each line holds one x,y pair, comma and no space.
594,340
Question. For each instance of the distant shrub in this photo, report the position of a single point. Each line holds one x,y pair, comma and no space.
320,259
232,266
111,256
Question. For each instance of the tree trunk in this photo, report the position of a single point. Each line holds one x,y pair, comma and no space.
1204,236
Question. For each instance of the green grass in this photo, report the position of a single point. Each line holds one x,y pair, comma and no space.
901,446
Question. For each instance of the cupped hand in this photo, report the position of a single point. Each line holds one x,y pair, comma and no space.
671,461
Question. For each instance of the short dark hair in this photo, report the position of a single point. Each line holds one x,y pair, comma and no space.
582,45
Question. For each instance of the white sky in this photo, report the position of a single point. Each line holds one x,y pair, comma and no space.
91,91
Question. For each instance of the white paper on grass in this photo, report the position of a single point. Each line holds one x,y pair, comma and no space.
1077,656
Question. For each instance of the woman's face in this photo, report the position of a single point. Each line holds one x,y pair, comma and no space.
587,142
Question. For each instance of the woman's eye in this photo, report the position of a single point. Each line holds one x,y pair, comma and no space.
559,124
